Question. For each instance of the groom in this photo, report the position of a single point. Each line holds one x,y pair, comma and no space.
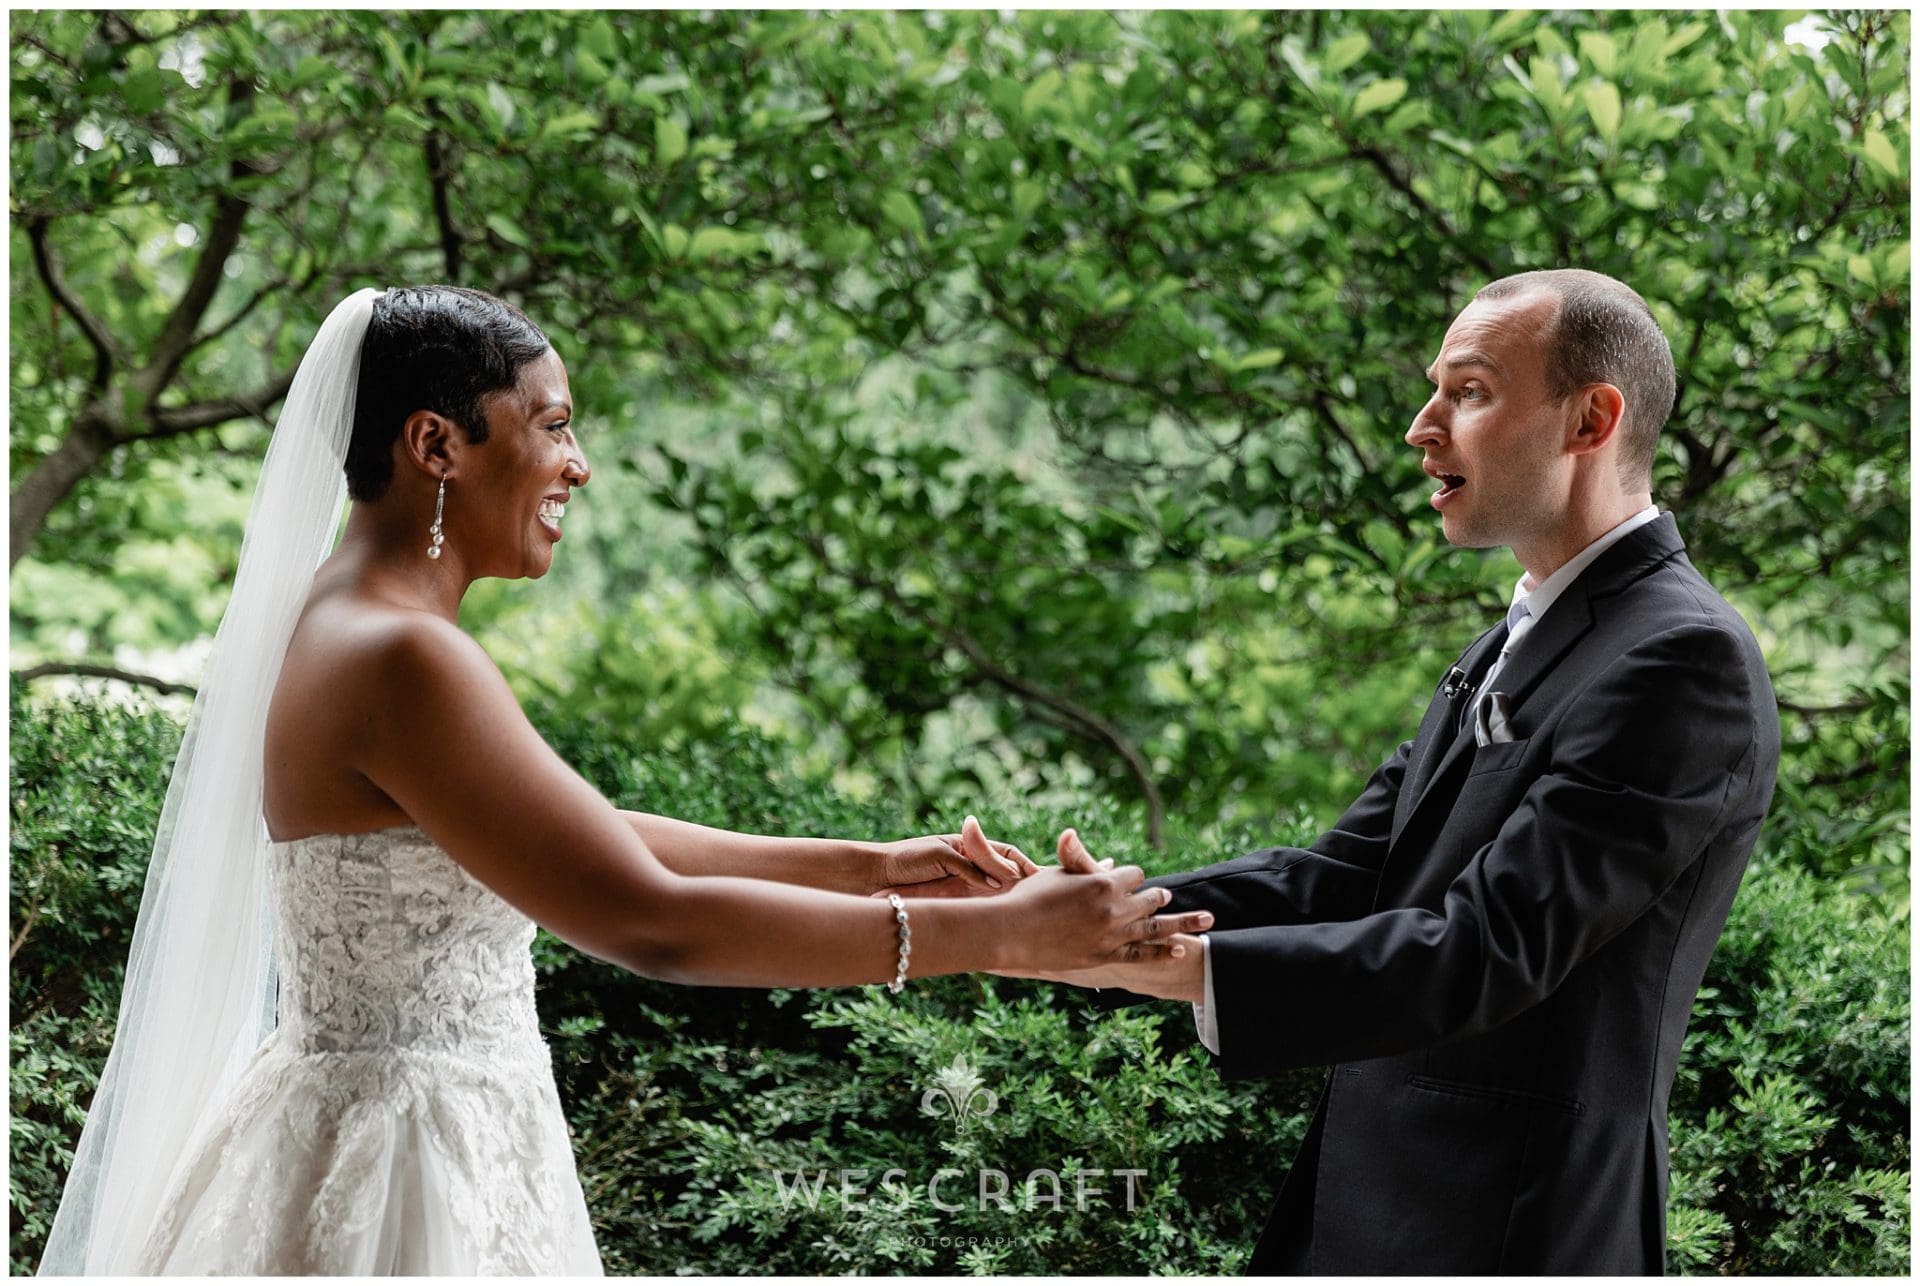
1497,946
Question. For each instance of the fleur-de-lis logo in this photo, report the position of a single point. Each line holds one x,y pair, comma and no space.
958,1091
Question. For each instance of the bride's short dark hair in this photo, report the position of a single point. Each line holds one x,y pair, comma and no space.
431,348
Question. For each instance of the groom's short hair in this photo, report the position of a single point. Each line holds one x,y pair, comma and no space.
1604,333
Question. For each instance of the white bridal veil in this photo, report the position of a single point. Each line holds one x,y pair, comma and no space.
199,992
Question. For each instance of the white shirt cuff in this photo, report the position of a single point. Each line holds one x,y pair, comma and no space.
1206,1019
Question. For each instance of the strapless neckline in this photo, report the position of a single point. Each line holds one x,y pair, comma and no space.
403,827
402,1116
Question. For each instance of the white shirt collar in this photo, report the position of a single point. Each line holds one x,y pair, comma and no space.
1540,599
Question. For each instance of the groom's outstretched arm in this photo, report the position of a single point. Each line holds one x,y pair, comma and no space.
1661,757
1333,878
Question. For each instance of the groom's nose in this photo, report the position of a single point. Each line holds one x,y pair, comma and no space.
1427,428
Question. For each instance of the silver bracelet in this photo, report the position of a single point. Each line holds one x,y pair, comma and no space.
906,942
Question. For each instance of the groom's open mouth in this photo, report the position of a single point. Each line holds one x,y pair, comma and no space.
1450,484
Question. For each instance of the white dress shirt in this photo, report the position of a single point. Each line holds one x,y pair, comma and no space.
1535,601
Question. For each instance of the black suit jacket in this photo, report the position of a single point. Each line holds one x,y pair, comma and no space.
1498,947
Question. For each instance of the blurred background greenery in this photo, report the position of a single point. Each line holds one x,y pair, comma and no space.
993,411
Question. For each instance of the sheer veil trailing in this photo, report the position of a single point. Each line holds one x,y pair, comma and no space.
199,992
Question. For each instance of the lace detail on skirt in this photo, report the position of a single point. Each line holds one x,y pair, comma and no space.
402,1118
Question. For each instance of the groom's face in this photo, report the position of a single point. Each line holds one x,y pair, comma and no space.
1490,435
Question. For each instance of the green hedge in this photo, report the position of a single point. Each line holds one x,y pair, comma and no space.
695,1109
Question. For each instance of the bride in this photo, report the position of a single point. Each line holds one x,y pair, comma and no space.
327,1057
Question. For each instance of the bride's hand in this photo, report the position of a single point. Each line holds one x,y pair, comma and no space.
941,866
1060,921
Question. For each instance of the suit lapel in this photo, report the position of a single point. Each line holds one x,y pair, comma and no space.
1436,730
1561,630
1436,738
1541,648
1565,623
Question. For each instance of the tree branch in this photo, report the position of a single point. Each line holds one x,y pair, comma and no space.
1855,706
104,353
88,670
245,310
89,438
26,927
1841,776
171,421
1089,723
438,173
229,214
1086,720
1381,162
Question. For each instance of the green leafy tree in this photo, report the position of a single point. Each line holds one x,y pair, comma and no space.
1021,394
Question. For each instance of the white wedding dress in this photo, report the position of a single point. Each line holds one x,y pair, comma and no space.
402,1117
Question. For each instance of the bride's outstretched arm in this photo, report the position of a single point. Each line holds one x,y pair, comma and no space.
926,865
445,739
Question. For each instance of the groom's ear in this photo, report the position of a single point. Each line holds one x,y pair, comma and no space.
431,443
1598,411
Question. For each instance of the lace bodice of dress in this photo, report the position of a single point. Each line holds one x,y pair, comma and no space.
384,942
402,1117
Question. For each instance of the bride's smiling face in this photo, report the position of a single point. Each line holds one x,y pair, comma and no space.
506,500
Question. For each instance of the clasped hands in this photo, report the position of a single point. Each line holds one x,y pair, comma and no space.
1156,956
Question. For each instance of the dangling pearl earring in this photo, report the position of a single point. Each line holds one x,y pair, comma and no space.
439,504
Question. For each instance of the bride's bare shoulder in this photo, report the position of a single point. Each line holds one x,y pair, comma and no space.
358,675
347,644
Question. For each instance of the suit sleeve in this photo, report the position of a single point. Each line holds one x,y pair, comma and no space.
1331,879
1643,771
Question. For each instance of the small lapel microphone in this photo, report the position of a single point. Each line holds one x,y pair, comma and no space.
1456,684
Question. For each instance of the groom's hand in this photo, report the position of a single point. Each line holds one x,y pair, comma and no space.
944,866
1178,973
1075,858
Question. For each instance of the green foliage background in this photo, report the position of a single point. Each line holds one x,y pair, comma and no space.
993,411
1789,1119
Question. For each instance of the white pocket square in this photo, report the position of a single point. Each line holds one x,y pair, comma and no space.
1493,719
